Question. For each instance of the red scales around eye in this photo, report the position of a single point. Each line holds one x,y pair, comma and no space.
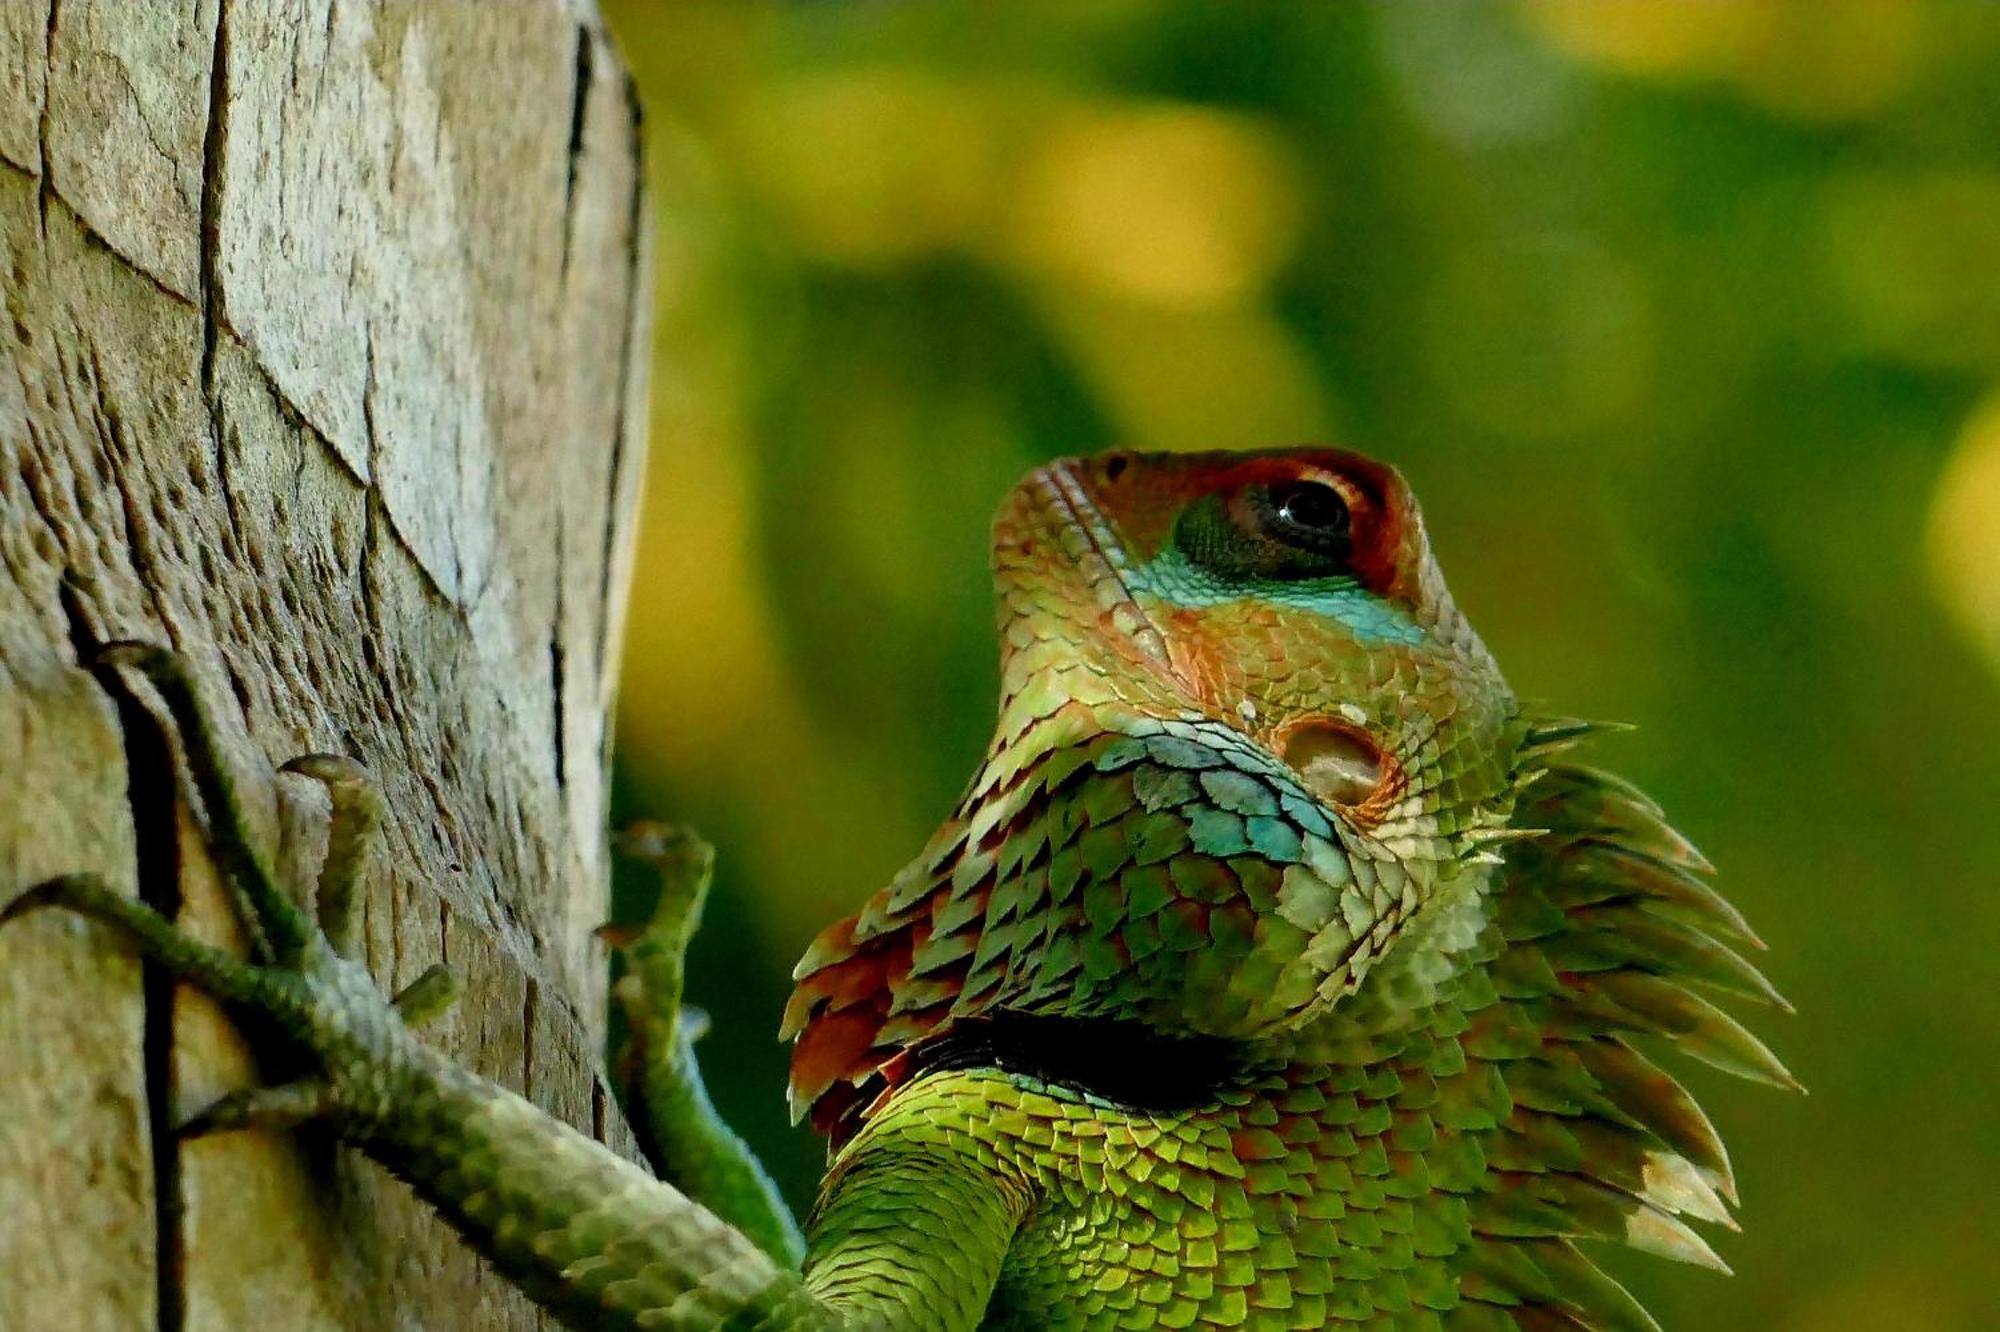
1138,498
1377,504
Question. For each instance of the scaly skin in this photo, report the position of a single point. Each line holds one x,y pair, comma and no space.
1270,974
1251,782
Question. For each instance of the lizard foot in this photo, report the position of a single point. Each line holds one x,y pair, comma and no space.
302,974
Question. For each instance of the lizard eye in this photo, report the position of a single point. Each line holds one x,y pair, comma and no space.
1308,514
1284,530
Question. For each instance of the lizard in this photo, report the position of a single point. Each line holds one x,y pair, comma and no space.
1278,968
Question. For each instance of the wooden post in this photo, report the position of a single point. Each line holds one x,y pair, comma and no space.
325,365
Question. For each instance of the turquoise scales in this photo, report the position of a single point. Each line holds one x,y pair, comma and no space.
1274,972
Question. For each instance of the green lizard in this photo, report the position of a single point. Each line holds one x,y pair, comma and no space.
1274,971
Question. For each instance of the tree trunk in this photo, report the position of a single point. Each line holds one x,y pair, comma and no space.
326,368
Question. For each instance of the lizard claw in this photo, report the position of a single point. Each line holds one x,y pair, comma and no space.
285,1106
356,812
685,862
278,930
428,997
29,900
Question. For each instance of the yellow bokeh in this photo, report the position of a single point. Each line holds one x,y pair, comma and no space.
1812,60
1916,258
875,166
1192,379
1167,204
700,626
1963,541
1647,37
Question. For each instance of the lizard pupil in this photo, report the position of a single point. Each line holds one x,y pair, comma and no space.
1308,513
1284,531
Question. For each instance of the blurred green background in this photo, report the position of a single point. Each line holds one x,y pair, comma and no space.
1683,319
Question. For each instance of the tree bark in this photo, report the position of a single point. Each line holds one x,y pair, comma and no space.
326,368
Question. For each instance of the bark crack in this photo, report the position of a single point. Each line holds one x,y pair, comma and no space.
47,118
214,149
579,107
149,794
531,1001
371,482
635,219
123,74
47,196
558,661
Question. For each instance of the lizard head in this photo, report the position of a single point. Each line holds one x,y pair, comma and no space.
1289,594
1249,753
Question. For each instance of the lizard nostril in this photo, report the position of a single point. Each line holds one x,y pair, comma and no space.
1338,762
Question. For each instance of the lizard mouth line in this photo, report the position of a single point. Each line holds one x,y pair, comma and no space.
1090,540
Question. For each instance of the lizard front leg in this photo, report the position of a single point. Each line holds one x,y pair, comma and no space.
653,1065
913,1222
588,1234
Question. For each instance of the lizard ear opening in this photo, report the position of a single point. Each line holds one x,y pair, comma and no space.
1339,762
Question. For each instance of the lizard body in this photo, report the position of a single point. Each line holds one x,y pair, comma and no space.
1241,826
1275,971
